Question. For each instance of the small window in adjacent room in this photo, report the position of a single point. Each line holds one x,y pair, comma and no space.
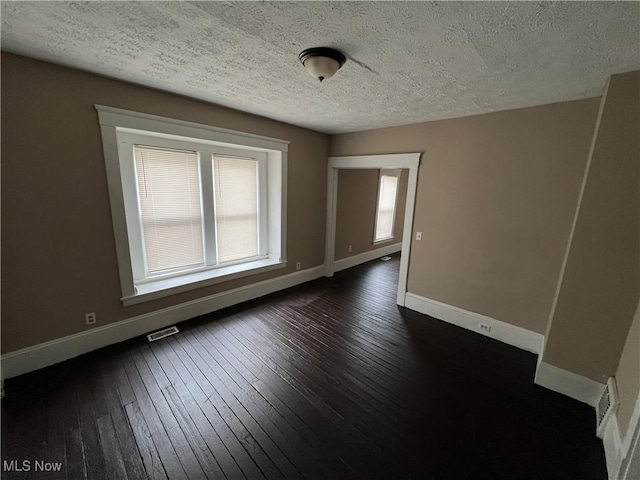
191,210
386,205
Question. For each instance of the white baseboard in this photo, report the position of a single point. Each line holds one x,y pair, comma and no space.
55,351
568,383
612,447
621,447
630,469
504,332
365,257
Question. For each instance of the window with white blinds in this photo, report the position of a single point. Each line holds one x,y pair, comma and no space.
192,205
169,196
197,207
386,207
236,208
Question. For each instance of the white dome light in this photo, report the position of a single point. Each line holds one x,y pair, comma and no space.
322,63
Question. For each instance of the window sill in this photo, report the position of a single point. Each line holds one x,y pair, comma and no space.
183,283
383,240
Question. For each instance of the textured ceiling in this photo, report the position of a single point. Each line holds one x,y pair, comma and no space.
408,62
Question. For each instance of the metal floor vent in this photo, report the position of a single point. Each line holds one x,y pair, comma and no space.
162,333
607,405
385,259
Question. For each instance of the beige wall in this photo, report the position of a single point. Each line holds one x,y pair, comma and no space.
496,195
599,291
356,211
58,254
628,375
495,200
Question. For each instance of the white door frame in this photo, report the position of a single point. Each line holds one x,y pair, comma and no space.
410,161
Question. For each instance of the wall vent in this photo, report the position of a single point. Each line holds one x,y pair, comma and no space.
607,406
162,333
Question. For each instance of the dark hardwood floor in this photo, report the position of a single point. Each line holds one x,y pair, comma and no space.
326,380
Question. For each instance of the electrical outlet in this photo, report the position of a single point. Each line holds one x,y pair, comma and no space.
418,235
298,265
485,327
350,248
90,318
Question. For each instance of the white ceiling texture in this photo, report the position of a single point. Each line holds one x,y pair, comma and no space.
407,62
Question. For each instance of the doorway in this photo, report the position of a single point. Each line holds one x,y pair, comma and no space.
409,161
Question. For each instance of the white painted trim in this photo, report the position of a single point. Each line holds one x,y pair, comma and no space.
612,447
504,332
410,161
568,383
390,161
634,423
630,467
117,117
407,234
612,393
618,448
55,351
354,260
118,125
118,211
621,449
185,283
384,240
615,426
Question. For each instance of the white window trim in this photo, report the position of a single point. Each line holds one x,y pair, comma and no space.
126,141
387,173
115,122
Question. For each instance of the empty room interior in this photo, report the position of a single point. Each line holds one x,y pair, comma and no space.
357,240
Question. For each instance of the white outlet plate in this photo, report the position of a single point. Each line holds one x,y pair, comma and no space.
418,235
90,318
298,265
484,327
350,248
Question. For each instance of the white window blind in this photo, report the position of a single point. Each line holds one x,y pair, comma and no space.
170,208
236,207
386,207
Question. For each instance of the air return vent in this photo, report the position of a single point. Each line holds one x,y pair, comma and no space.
607,405
162,333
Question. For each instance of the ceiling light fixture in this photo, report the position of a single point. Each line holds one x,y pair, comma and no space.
322,62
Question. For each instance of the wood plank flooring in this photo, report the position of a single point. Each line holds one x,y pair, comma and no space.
327,380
